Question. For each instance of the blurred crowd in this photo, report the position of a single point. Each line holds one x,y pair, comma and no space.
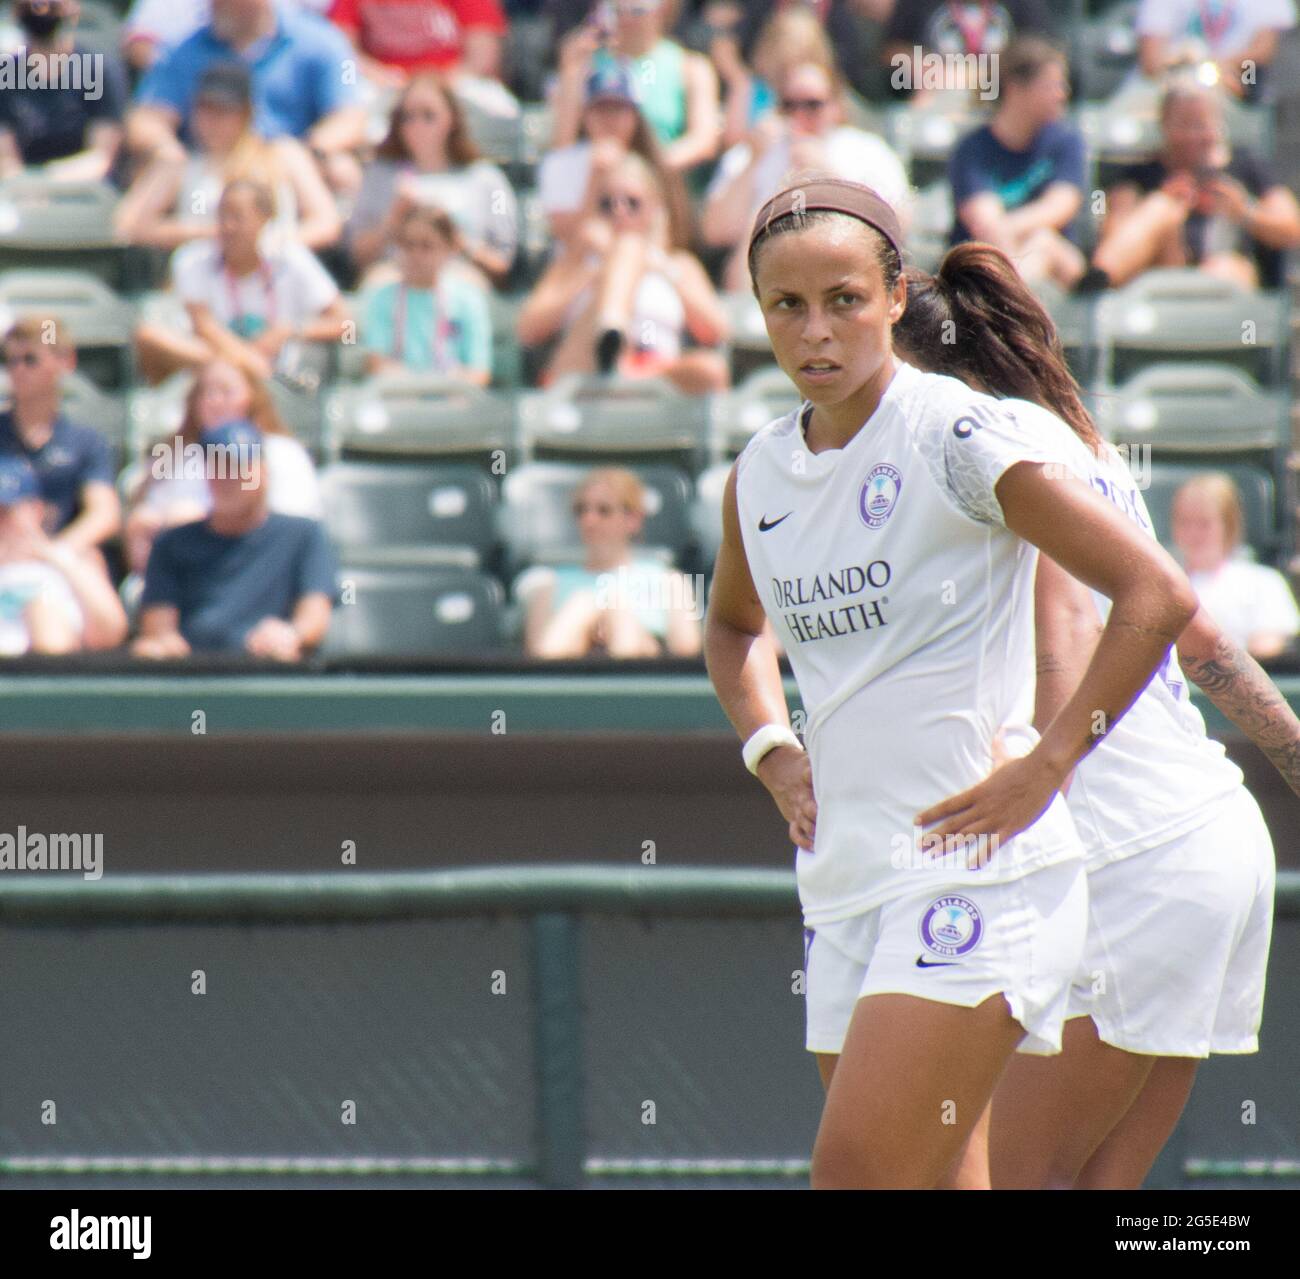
311,170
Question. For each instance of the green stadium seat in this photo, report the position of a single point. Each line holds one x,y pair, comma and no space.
536,523
1193,408
749,348
417,415
410,514
1107,50
1073,318
414,612
99,27
1180,313
924,136
102,324
706,511
1258,502
613,418
932,215
507,356
60,225
764,395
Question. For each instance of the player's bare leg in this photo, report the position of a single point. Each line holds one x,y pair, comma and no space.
1051,1113
908,1089
1124,1158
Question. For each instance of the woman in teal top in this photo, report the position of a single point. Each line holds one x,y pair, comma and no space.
677,90
614,601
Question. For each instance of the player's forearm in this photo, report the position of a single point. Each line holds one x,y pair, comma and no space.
746,677
1238,686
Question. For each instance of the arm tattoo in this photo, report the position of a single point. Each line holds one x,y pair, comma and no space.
1238,686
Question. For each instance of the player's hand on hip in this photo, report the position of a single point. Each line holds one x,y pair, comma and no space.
1014,796
787,774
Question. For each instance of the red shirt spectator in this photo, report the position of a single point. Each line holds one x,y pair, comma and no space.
416,34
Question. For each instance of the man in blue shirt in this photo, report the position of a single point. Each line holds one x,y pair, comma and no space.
303,71
73,463
1017,182
245,578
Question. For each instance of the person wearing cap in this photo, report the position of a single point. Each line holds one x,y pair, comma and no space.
428,158
396,38
64,128
807,131
244,578
54,598
677,90
301,84
887,528
175,200
74,464
612,125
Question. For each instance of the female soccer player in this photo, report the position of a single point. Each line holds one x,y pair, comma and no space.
891,522
1180,864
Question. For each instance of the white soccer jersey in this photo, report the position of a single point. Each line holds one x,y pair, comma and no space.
1156,775
906,607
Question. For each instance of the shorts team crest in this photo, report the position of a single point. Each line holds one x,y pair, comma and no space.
951,926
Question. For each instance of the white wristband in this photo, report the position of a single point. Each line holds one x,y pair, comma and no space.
766,739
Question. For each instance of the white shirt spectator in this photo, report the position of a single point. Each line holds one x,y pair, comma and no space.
1234,23
850,153
292,288
1247,600
20,584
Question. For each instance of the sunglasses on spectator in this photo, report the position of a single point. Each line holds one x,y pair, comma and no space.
29,358
598,508
425,115
608,203
790,105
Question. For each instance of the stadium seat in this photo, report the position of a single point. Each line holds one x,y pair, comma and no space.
748,345
737,414
99,27
417,415
924,136
1107,50
706,511
1193,408
507,356
1073,318
613,417
1258,501
155,412
409,514
1180,313
932,217
414,612
60,225
86,405
536,517
102,324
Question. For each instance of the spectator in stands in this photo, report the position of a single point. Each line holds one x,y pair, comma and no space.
1240,37
427,157
793,35
174,201
1251,602
72,463
431,320
677,90
960,27
173,488
612,125
395,38
1017,182
251,306
153,28
61,107
806,132
624,299
302,86
614,602
246,578
1199,202
54,598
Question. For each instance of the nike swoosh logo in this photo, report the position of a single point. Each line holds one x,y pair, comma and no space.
763,525
934,963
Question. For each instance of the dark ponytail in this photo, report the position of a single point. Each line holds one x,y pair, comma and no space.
976,319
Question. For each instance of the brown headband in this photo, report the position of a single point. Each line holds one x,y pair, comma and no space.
838,195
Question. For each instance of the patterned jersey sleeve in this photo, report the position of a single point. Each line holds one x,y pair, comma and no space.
987,438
